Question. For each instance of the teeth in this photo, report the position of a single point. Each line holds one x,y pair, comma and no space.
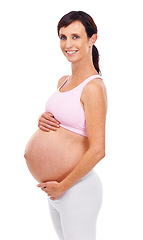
70,52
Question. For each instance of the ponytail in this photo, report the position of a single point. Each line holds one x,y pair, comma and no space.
95,58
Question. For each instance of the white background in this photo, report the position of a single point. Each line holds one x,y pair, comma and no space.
31,63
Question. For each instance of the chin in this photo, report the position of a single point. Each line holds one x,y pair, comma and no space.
73,60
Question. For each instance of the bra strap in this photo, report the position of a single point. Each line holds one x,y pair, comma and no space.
64,82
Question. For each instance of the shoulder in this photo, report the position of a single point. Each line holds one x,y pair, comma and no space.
61,80
94,89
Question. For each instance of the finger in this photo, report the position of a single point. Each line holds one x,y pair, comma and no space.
50,118
44,128
44,189
52,198
47,127
53,118
50,114
46,122
41,185
52,122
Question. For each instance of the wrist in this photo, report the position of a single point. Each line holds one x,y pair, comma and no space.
64,186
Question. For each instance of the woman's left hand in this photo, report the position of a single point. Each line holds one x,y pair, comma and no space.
53,189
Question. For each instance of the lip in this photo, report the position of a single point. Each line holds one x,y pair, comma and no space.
71,52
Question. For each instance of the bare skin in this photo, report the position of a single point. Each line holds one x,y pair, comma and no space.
48,153
57,158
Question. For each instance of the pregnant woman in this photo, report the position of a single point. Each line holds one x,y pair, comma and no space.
62,157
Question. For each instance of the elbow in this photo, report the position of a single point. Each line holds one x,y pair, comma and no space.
99,154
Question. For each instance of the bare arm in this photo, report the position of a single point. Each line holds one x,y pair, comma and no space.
95,107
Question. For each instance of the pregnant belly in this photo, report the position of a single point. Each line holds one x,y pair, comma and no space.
53,155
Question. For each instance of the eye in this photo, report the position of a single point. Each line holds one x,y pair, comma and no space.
75,37
62,37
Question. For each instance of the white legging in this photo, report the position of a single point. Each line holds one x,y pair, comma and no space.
74,214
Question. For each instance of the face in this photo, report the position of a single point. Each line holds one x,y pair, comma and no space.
74,42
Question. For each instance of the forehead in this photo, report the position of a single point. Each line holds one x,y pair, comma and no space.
74,27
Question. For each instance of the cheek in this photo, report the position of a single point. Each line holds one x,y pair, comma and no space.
83,45
61,45
84,48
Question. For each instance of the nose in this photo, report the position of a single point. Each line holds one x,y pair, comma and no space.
69,43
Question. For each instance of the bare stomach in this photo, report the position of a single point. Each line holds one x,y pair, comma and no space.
53,155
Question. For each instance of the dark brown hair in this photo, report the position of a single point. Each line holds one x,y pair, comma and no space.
90,28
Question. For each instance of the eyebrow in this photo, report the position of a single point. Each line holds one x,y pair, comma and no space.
62,34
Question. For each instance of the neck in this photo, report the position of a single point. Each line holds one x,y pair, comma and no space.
82,69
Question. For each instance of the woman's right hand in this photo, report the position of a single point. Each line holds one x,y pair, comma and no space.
47,122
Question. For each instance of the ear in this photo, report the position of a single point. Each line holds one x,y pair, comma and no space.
93,39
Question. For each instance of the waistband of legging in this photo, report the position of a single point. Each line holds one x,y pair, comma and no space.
87,175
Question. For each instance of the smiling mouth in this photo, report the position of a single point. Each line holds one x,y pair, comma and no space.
71,52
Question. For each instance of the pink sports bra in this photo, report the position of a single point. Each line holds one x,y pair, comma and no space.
67,109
